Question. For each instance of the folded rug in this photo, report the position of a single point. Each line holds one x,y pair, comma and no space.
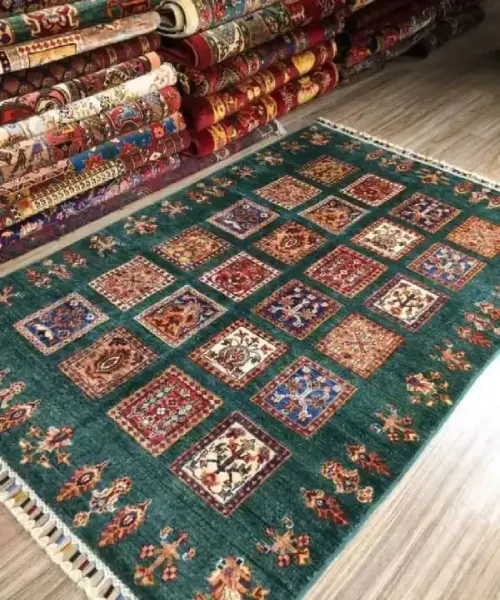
182,18
203,112
73,138
68,17
267,108
23,187
373,13
213,46
54,222
366,67
94,167
61,94
40,52
446,29
238,68
87,107
30,80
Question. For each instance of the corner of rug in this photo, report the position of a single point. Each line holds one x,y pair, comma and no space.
64,548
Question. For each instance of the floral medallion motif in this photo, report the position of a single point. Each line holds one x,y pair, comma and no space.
127,520
360,345
388,239
447,266
103,245
238,353
178,317
132,282
142,225
407,302
232,579
17,415
334,214
240,276
325,507
108,363
367,460
288,547
61,323
395,427
373,190
425,212
226,466
346,271
297,308
10,392
428,389
164,410
83,480
291,242
304,396
164,556
243,218
7,294
192,248
346,481
39,447
327,170
288,192
104,501
479,235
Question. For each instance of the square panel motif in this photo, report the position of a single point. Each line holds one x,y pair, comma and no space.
243,218
230,463
192,248
164,410
406,301
178,317
479,235
109,362
297,308
60,323
132,282
291,242
346,271
240,276
334,214
447,266
238,354
288,192
373,190
388,239
304,396
425,212
360,345
327,170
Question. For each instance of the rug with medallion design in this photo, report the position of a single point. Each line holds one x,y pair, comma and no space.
205,400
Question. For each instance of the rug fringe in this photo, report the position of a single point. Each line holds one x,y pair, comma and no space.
61,545
444,166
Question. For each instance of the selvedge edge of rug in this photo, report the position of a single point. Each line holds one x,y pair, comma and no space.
17,494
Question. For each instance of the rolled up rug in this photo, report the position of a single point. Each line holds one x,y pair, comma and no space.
369,66
94,167
267,108
182,18
40,52
31,80
61,94
238,68
57,20
22,187
13,7
229,39
87,107
89,206
203,112
73,138
452,26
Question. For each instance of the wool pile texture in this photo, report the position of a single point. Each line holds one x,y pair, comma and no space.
205,400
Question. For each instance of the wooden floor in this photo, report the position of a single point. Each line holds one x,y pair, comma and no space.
437,536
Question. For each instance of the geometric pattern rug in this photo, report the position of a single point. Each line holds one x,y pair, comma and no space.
205,400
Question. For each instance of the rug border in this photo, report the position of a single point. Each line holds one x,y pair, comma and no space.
401,150
16,494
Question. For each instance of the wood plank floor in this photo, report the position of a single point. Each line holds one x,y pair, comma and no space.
437,536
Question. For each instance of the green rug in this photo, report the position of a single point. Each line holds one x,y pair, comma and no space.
203,401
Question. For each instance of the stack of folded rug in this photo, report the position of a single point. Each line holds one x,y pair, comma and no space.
384,29
244,64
